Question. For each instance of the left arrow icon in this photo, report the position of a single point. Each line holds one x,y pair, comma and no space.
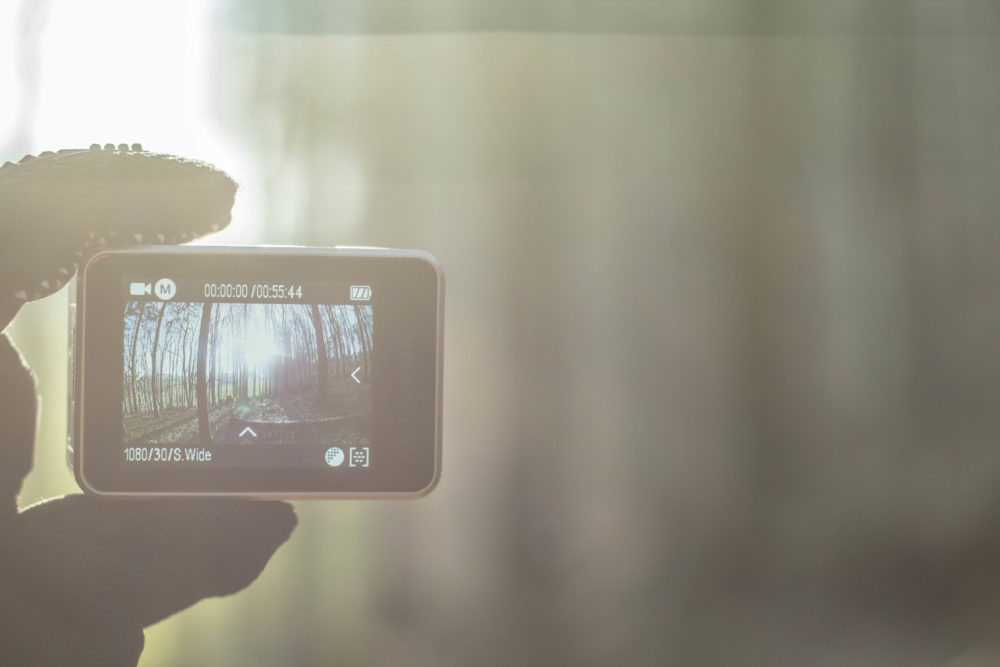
248,430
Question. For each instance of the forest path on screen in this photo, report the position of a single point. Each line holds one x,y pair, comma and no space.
289,419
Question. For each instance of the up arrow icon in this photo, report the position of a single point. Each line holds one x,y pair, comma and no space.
248,430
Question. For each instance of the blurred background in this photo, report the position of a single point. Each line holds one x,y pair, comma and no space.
722,357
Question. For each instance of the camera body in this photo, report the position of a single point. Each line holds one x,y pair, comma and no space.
257,371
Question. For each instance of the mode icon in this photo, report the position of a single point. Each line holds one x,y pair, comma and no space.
165,288
361,293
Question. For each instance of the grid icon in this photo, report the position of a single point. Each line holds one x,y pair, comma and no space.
359,457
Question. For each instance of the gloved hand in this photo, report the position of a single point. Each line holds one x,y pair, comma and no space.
81,576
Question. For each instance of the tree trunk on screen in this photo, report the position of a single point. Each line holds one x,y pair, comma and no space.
131,359
338,343
201,390
364,329
362,340
213,378
152,368
322,372
185,364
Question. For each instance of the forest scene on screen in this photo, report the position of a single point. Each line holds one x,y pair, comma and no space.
201,373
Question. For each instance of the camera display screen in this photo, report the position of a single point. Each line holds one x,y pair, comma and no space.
247,372
250,372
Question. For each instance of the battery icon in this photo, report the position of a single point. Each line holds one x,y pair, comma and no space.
361,293
140,289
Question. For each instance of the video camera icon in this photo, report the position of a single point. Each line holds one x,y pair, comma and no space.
165,289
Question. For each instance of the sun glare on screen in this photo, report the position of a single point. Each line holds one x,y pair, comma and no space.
260,345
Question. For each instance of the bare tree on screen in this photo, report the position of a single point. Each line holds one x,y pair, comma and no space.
140,310
322,372
365,336
153,378
201,391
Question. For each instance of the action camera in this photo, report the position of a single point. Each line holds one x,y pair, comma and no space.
257,371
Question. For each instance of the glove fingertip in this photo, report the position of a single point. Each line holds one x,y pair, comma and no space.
234,539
